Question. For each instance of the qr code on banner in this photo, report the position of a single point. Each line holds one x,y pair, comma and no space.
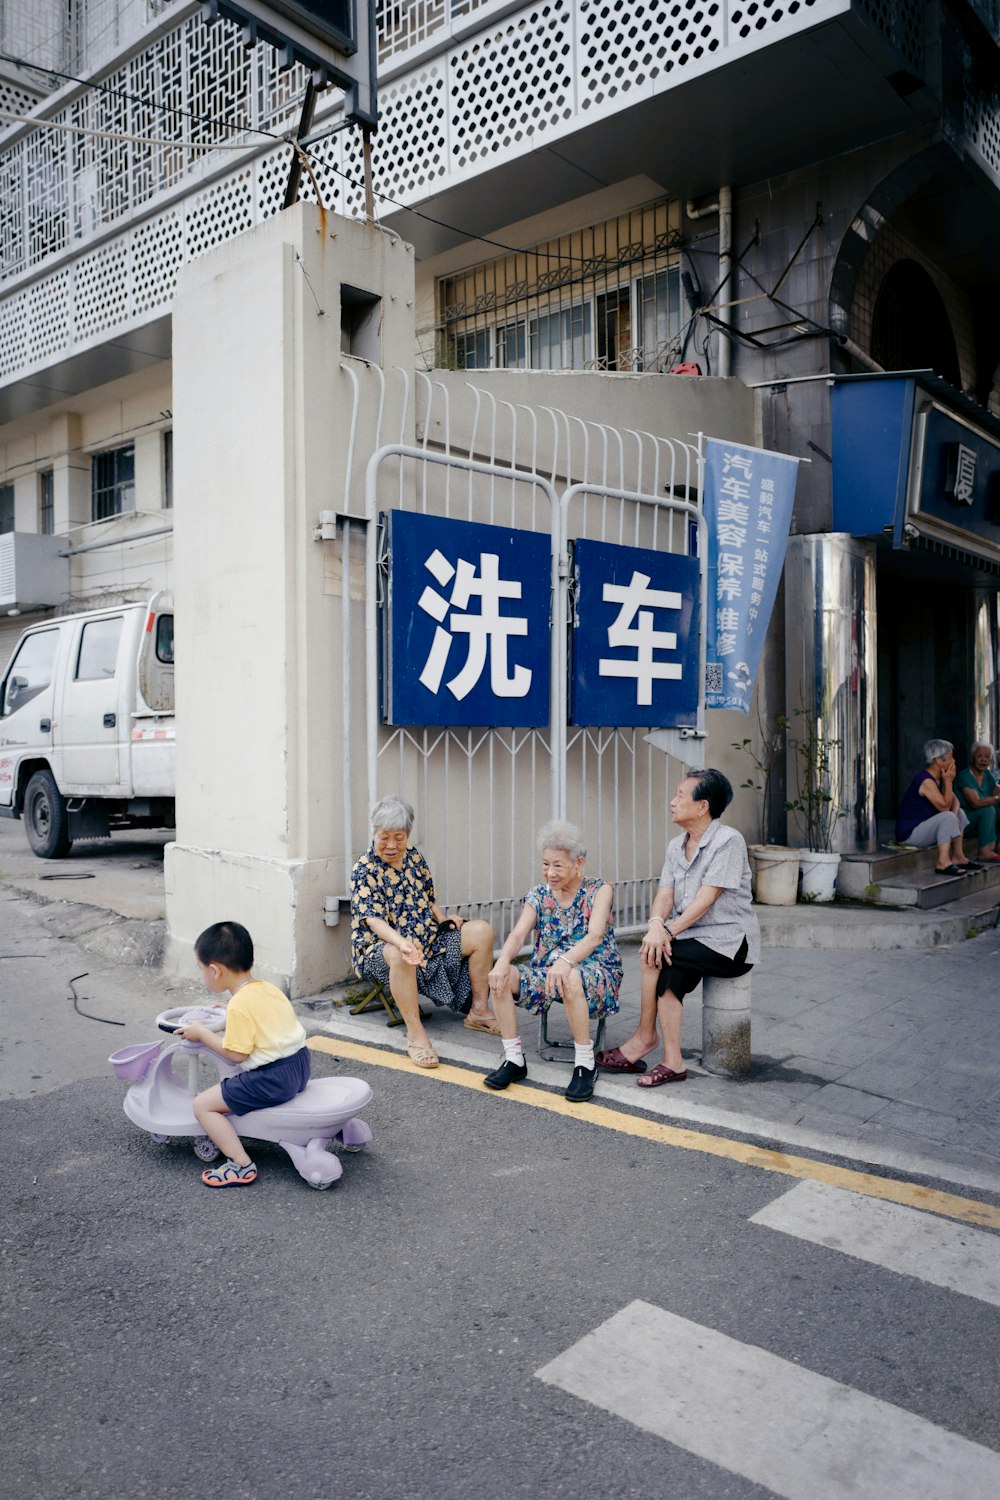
713,677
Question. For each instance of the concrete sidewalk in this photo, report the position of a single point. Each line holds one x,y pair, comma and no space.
875,1034
892,1058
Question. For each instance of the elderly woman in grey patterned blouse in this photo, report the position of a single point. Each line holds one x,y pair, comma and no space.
702,923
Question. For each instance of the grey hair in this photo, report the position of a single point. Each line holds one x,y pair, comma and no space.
560,835
935,748
392,812
981,745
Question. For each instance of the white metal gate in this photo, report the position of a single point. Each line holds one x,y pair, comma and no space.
481,794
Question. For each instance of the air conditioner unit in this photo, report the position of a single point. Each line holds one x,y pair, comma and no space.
32,573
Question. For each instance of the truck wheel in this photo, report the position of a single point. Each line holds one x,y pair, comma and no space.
46,821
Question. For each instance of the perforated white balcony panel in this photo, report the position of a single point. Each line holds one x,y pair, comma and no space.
484,90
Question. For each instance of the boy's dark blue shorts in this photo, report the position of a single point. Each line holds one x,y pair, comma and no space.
274,1083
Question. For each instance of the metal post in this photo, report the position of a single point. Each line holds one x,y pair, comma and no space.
725,1026
305,125
366,149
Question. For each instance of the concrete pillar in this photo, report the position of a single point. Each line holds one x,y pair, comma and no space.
262,422
70,474
149,470
725,1026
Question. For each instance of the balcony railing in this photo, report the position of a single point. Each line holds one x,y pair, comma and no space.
115,187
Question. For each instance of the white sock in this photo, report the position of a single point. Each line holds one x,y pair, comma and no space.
513,1051
583,1055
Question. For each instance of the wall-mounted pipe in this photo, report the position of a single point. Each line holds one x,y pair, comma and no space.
116,541
856,352
723,206
726,287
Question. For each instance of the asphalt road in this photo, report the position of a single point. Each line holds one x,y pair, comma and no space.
385,1338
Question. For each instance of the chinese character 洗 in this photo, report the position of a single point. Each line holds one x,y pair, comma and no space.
488,632
633,628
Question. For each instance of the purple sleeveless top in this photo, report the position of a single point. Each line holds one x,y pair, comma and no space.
913,809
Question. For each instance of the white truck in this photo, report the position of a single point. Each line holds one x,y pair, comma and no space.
87,725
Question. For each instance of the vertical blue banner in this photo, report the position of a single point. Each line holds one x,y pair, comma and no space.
635,637
749,494
466,638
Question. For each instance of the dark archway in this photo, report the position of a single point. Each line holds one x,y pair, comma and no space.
911,329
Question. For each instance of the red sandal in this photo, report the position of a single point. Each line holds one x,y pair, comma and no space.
615,1061
661,1074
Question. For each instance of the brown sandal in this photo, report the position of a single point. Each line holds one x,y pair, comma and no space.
422,1055
660,1074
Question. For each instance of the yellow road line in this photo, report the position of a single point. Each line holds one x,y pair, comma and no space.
949,1205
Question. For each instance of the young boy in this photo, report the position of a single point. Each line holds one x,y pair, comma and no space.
262,1032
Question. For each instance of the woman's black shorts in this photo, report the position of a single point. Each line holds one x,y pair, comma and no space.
690,961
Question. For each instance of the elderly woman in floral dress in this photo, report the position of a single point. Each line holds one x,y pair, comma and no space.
398,940
575,959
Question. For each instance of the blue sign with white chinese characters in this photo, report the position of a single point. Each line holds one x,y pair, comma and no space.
749,494
635,637
467,635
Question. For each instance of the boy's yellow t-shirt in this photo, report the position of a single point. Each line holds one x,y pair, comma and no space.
261,1022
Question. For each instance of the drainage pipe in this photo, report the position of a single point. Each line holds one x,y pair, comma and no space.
724,208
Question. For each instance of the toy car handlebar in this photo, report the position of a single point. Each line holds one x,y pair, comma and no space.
212,1016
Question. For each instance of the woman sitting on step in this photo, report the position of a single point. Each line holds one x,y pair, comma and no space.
930,812
980,792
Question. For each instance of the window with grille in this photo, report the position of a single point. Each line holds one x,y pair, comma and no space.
603,298
112,482
46,503
6,507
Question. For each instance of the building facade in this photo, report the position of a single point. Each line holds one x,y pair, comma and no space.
798,205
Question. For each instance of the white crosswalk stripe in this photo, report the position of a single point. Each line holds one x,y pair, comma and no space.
799,1434
892,1236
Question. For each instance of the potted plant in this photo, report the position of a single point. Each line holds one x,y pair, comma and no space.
817,809
775,866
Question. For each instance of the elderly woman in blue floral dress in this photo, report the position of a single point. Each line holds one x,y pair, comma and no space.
401,938
575,959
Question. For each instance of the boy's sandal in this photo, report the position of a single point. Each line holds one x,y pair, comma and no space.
422,1055
229,1175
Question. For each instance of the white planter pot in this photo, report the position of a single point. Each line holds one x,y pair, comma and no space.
776,874
818,874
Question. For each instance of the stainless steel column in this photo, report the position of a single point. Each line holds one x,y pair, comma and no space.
984,665
830,672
